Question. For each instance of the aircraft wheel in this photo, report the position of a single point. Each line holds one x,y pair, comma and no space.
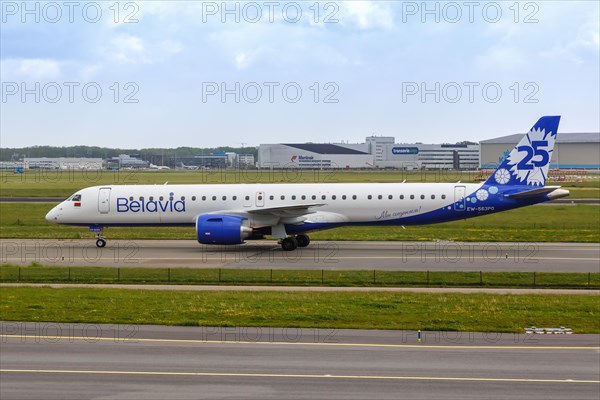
303,240
289,244
100,243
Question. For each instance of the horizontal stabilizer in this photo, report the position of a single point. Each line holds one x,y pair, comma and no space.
533,192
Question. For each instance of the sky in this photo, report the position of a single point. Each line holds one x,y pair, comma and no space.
206,74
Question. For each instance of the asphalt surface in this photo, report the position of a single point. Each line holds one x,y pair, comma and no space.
342,255
87,361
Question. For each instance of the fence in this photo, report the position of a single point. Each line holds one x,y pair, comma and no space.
46,274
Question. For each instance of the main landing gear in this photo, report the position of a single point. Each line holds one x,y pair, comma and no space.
292,242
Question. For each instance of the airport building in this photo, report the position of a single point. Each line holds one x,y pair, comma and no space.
313,156
127,161
571,150
376,152
62,163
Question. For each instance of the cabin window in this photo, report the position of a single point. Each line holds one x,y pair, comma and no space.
353,197
151,198
193,198
203,198
369,197
380,197
323,197
182,198
224,198
433,197
271,197
401,197
247,198
171,198
333,197
390,197
294,197
214,198
141,198
282,197
234,198
161,198
443,196
303,197
412,196
314,197
344,197
130,198
260,198
422,197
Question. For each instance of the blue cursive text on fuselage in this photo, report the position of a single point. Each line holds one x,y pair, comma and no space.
126,205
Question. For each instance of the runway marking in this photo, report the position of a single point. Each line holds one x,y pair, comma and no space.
200,341
300,376
225,256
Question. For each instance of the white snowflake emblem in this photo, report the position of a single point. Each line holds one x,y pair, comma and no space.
482,194
530,160
502,176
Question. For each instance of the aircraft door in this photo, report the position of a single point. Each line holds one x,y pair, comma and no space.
460,192
260,199
104,200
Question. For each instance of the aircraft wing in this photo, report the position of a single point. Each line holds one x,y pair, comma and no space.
296,210
292,213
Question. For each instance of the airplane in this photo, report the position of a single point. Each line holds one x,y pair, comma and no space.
230,214
152,166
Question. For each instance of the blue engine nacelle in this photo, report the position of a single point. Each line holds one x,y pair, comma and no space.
222,229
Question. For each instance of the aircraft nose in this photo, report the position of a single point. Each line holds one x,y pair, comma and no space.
52,215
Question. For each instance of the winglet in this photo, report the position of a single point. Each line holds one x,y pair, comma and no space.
528,163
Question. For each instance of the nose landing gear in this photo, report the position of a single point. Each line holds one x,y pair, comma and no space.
100,240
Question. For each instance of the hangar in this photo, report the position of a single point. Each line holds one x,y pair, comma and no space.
571,151
376,152
313,156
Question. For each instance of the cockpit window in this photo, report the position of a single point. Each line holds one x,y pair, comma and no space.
76,197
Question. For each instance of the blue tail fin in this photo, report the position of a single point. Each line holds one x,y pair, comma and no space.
528,163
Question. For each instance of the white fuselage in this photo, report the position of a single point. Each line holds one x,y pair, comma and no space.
330,203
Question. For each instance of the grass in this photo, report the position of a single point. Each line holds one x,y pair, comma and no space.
284,277
64,183
373,310
565,223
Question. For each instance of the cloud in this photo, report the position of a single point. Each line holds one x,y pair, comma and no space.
369,14
502,58
124,49
129,49
30,69
575,49
244,59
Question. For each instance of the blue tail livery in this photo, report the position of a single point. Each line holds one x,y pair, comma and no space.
528,163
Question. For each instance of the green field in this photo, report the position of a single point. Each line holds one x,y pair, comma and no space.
286,277
374,310
564,223
42,183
